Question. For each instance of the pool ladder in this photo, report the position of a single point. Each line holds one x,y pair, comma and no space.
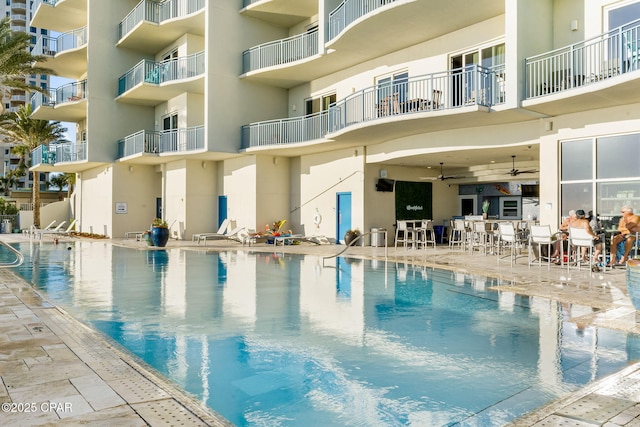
19,257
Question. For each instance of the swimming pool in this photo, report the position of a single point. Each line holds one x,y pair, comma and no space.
281,340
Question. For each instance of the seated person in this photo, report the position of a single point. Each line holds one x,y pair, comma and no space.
582,222
564,228
628,225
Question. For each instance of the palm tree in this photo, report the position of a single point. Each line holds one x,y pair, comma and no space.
59,181
30,133
16,61
71,182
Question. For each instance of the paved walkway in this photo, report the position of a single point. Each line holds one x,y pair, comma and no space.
57,371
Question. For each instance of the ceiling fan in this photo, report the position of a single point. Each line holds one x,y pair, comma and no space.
442,176
516,172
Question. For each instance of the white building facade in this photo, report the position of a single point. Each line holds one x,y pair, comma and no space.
261,110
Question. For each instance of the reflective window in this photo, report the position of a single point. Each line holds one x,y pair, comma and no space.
577,160
577,196
618,156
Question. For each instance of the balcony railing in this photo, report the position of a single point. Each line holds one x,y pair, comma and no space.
350,10
447,90
166,141
280,52
47,45
602,57
161,72
157,12
70,92
59,153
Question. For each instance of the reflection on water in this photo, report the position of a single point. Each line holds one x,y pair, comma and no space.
282,340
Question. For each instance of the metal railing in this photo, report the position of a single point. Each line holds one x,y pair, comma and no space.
607,55
47,45
59,153
280,52
350,10
157,12
19,257
166,141
71,92
286,131
447,90
161,72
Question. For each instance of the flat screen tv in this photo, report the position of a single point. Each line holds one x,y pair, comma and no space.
385,184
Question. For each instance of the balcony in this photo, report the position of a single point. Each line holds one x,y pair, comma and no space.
149,147
599,72
18,17
66,104
391,110
280,52
152,25
285,13
18,6
67,53
67,157
59,15
370,28
150,83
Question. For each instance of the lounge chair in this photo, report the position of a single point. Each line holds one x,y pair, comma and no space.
220,233
58,232
31,231
39,233
234,234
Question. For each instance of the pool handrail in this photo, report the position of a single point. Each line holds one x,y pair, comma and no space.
355,240
19,257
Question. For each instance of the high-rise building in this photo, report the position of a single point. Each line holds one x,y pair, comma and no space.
20,20
261,110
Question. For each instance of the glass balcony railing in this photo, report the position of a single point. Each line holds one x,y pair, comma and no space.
46,45
59,153
280,52
447,90
161,72
158,12
166,141
70,92
585,63
350,10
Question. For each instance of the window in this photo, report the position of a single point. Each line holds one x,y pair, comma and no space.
622,15
316,105
463,67
595,174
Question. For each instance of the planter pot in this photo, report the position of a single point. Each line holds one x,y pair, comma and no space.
349,238
159,236
147,238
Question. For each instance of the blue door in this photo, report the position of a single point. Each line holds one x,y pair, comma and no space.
343,210
222,209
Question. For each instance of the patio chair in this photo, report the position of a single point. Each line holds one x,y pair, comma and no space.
38,233
458,234
579,238
509,239
540,236
404,234
220,233
425,234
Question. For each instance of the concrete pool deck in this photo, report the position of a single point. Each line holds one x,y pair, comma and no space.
57,371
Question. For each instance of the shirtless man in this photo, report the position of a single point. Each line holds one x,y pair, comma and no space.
628,225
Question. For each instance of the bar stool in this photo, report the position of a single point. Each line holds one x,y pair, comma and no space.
404,234
426,234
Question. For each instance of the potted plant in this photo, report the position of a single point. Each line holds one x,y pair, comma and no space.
159,232
485,208
350,236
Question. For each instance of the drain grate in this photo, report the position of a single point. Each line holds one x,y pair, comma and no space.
558,421
137,389
595,408
166,412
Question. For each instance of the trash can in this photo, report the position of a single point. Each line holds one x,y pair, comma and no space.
439,229
5,227
377,237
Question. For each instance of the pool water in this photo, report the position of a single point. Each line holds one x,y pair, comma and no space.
268,339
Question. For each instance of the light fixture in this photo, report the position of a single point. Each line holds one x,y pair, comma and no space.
204,165
574,25
294,107
130,168
548,126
